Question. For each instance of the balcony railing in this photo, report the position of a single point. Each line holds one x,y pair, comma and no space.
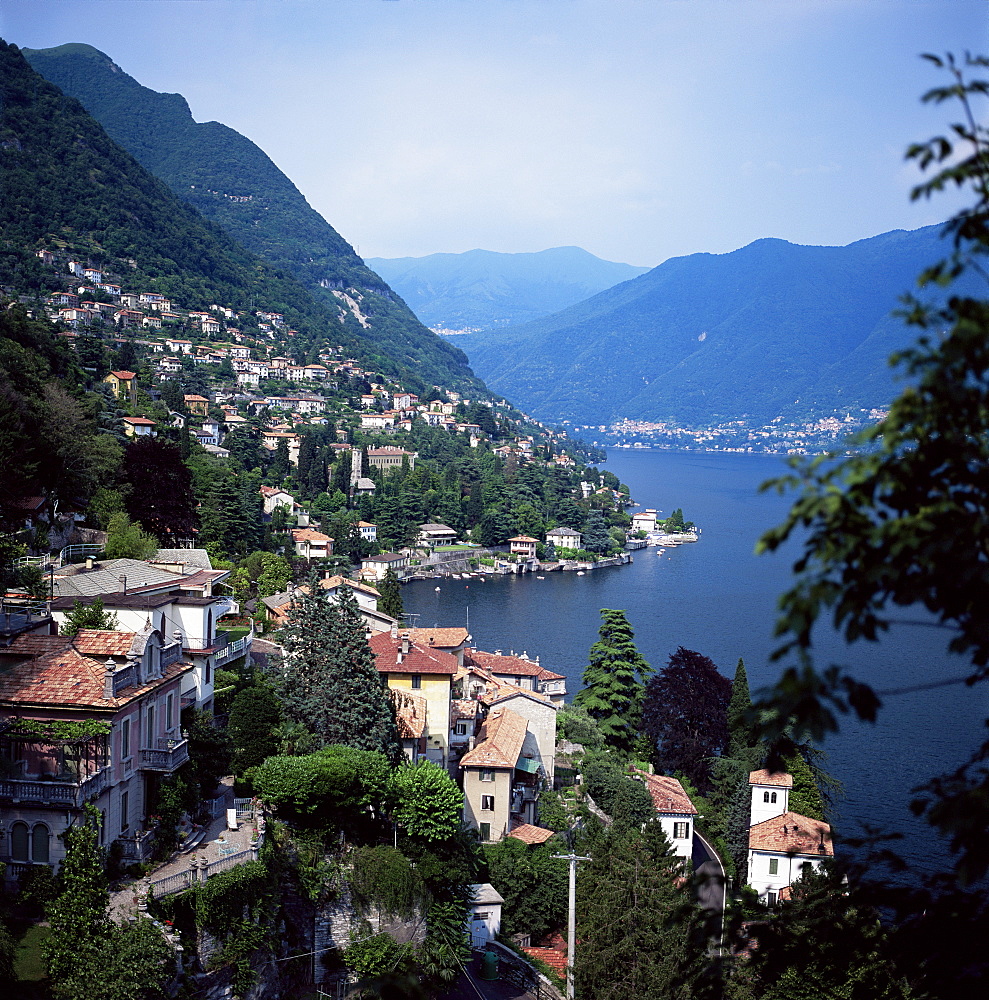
166,755
236,648
171,653
55,792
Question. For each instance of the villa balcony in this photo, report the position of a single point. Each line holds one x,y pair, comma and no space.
55,792
166,756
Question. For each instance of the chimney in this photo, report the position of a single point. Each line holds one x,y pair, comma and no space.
89,562
405,645
177,636
394,631
109,669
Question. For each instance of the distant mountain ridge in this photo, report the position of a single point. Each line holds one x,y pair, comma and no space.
772,329
234,183
483,290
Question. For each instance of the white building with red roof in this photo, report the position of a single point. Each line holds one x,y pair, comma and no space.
782,844
312,544
521,671
674,810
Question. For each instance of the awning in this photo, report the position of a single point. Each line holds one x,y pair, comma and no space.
528,765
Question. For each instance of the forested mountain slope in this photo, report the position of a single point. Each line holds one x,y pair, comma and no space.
481,289
232,182
769,330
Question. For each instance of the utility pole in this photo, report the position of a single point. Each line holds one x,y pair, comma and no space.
572,916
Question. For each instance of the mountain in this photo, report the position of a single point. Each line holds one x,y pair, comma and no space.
232,182
772,329
480,289
65,182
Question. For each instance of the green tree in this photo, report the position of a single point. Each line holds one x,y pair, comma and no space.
739,709
255,717
128,540
533,884
635,924
427,804
390,602
92,616
329,682
86,954
595,533
613,681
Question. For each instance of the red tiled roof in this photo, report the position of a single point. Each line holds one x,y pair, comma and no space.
309,535
419,659
440,638
67,679
792,833
96,642
667,794
332,582
764,777
530,834
556,960
124,375
499,741
497,664
410,712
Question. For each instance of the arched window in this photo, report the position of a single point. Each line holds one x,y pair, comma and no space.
18,842
765,796
40,836
772,798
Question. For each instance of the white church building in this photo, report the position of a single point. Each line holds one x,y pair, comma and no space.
782,844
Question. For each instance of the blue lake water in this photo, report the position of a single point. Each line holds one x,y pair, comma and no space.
719,598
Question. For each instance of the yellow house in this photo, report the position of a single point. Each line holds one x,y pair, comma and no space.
124,385
428,673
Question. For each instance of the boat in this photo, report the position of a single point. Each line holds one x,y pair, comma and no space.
437,590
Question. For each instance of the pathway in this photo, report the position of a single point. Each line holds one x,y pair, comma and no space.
123,903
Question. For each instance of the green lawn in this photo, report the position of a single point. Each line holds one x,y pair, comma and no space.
27,957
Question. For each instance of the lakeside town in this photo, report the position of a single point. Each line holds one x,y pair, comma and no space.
743,436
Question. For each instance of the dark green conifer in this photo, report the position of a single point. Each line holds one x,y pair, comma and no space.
613,681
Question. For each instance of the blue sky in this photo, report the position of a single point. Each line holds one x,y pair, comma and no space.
637,129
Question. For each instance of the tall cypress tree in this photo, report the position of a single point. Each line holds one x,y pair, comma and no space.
390,602
613,681
739,731
329,682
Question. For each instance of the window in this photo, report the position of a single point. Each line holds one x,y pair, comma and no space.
416,682
681,831
481,916
487,803
170,712
485,831
774,866
149,739
771,898
125,739
206,679
18,841
39,844
461,729
487,776
765,796
124,811
772,798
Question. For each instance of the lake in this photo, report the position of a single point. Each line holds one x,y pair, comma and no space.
718,598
